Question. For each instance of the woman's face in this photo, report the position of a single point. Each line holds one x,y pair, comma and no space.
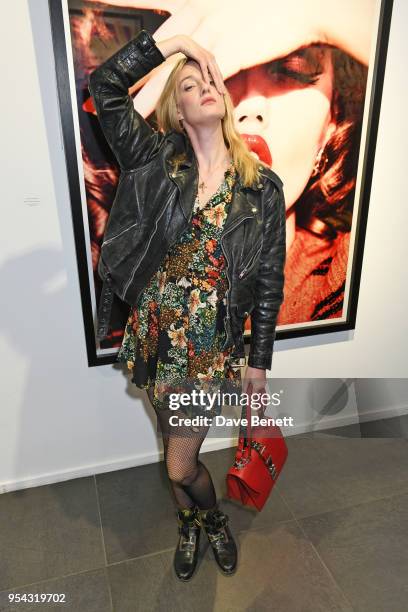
197,102
283,110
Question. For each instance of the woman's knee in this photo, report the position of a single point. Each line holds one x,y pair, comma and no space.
180,474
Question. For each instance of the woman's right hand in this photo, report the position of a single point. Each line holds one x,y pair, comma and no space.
208,64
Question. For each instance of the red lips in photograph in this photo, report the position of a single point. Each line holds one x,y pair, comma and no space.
259,146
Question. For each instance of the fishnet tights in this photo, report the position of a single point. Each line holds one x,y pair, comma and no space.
190,480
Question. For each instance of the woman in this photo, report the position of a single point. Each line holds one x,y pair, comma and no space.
176,335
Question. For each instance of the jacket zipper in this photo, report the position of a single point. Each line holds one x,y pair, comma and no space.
228,278
120,234
148,244
250,264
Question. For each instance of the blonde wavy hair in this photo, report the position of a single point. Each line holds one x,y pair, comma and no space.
166,114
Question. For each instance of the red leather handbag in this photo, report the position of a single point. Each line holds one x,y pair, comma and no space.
259,460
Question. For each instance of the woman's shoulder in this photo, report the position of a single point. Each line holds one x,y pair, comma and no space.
179,148
176,137
269,174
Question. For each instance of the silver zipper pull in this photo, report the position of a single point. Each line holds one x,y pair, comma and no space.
249,265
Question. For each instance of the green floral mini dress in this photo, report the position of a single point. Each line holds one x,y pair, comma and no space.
174,334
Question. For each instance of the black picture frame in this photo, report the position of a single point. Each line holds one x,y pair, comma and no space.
95,355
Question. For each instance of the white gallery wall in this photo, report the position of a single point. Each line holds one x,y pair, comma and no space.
60,419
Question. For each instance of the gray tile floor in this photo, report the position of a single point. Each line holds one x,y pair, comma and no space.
333,535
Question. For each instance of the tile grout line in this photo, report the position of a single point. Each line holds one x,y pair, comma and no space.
51,579
98,505
340,509
167,550
329,573
171,549
146,556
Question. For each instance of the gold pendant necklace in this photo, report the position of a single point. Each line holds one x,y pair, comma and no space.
202,185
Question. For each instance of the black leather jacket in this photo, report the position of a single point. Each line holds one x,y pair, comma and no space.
154,205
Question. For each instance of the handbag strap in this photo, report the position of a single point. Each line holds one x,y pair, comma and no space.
249,428
247,438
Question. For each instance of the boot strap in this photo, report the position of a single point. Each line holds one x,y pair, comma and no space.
217,520
217,537
191,523
188,543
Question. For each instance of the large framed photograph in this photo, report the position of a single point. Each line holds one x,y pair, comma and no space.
308,108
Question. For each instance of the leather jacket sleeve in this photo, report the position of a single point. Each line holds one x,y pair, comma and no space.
130,137
270,281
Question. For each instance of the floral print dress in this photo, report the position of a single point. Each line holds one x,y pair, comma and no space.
174,334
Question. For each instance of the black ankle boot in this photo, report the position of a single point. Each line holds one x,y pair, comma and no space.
220,538
186,555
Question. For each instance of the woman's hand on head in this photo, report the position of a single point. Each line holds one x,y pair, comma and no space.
206,60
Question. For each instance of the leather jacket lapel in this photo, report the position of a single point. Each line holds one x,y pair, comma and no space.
240,208
186,176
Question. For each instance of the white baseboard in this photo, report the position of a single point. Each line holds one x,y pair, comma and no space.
210,444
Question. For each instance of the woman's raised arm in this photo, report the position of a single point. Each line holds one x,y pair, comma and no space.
130,137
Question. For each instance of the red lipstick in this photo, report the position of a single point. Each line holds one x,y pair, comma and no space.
259,146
